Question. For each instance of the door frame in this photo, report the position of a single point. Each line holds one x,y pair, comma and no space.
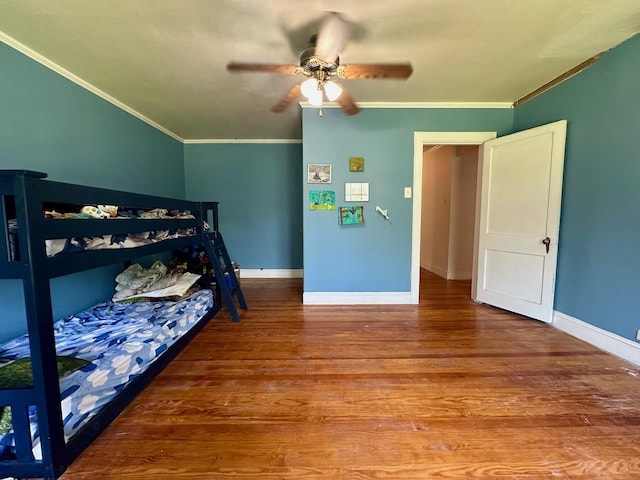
440,138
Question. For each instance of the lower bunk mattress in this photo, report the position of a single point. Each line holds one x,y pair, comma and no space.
120,341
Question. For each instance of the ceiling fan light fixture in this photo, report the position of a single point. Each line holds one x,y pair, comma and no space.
309,88
315,98
332,90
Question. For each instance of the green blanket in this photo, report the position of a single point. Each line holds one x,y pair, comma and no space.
18,374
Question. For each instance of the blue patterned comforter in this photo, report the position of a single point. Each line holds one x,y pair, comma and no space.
120,341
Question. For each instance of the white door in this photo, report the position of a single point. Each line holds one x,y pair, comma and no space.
519,220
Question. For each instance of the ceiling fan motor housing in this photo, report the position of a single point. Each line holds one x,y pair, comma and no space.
311,63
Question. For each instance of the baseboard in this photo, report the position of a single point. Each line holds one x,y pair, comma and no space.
607,341
270,273
459,275
356,298
441,272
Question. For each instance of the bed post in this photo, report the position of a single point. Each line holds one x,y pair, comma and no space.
37,299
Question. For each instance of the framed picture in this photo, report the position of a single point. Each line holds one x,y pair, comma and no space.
319,173
322,200
351,215
356,164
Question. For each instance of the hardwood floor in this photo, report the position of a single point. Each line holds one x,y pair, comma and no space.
446,389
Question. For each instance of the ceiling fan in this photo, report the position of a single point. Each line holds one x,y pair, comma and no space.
320,64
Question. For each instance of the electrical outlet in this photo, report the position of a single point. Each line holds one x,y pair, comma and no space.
407,192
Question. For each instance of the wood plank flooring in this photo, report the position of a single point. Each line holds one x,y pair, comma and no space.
446,389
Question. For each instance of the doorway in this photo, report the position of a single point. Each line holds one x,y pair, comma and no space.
436,138
449,182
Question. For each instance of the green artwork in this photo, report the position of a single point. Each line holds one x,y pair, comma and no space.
322,200
356,164
351,215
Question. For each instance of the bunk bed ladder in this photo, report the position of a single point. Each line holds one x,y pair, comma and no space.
227,283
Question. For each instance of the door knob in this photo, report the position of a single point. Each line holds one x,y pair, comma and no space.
547,242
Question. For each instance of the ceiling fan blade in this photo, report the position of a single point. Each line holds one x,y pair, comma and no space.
376,70
348,104
285,102
262,67
332,37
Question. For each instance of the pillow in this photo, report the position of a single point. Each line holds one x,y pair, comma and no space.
18,374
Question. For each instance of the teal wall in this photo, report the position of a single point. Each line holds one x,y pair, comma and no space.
259,190
50,124
599,252
376,256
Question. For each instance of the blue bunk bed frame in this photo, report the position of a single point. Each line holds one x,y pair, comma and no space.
30,192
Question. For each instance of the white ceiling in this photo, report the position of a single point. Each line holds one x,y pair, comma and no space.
165,59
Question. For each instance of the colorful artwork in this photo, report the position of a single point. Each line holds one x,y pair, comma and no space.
322,200
356,164
351,215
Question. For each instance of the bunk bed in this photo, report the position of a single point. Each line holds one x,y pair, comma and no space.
49,423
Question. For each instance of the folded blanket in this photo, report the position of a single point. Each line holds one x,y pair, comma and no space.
136,277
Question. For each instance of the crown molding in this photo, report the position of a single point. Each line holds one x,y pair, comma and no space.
559,79
33,55
418,105
241,140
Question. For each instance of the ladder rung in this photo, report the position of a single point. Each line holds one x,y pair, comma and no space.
227,283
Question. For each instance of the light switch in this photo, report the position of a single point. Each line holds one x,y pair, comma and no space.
407,192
